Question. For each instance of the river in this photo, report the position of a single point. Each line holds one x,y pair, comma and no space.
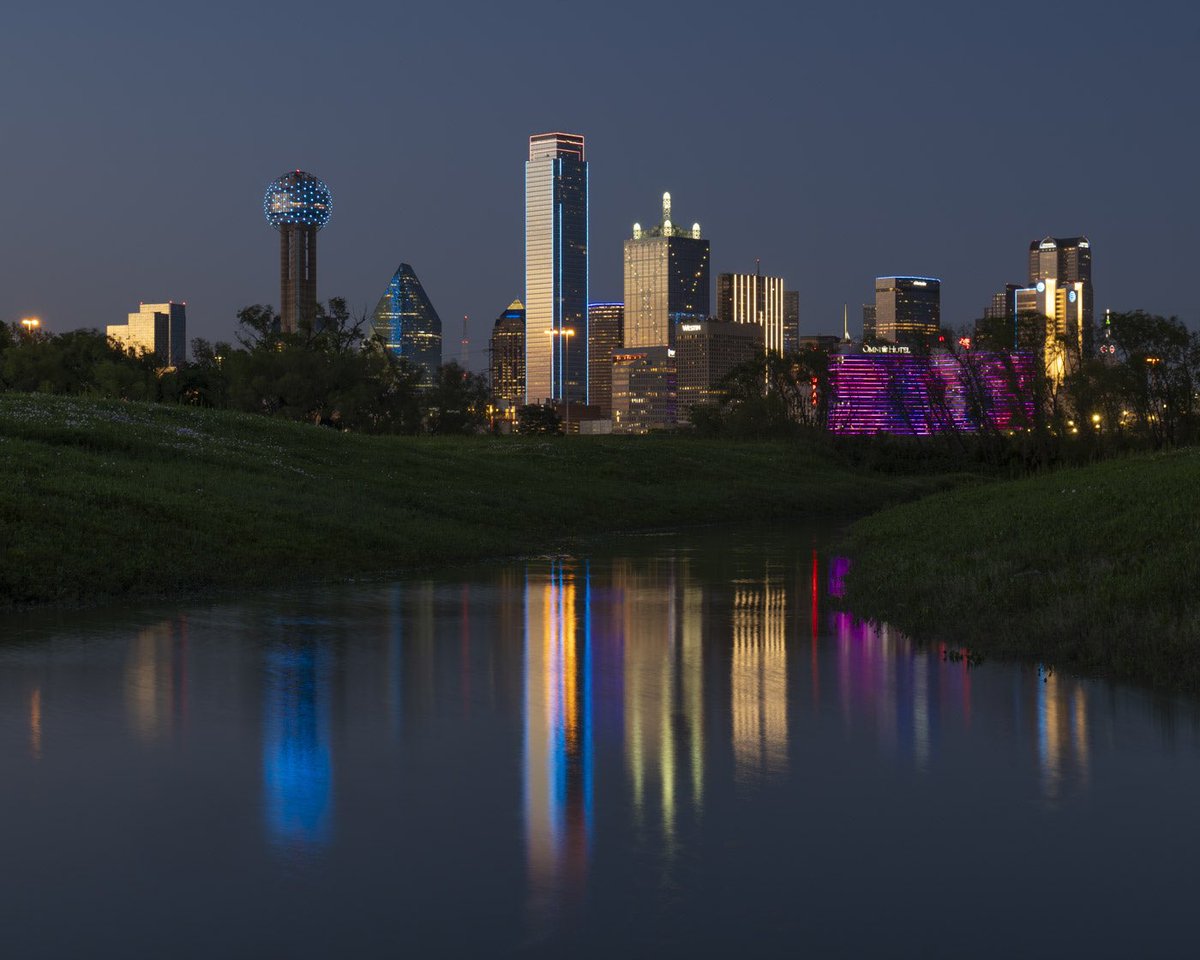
659,745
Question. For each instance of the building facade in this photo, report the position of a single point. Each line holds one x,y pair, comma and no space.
556,269
506,364
298,205
920,394
1004,303
644,390
753,298
908,311
706,352
157,328
666,281
407,324
606,336
1060,289
868,323
791,321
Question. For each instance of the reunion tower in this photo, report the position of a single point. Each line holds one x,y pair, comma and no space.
297,205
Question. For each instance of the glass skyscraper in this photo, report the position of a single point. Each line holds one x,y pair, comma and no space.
507,364
908,311
666,281
556,269
407,324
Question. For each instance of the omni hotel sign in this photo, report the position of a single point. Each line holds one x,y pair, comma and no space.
885,348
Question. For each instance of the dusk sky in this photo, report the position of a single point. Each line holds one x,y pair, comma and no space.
836,142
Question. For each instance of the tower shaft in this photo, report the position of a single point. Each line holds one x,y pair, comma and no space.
297,276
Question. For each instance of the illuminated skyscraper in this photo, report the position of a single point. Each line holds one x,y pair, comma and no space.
407,323
508,357
753,298
1064,266
158,328
908,311
297,204
666,281
556,269
606,336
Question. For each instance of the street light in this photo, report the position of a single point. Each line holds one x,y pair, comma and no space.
30,324
568,333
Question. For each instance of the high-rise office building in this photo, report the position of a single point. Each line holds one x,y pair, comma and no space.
908,311
556,269
407,324
507,363
297,204
158,328
1004,303
868,326
666,280
791,321
606,336
706,352
753,298
1064,266
644,390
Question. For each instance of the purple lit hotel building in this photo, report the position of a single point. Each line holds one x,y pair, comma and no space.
922,394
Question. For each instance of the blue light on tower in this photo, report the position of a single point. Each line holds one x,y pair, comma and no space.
300,198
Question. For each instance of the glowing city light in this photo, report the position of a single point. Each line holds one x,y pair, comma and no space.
922,395
298,197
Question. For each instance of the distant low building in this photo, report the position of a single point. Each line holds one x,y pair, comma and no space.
707,352
644,390
158,328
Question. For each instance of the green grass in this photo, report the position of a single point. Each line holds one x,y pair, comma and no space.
1095,570
102,499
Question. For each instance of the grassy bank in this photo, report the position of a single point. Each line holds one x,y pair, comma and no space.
100,499
1093,569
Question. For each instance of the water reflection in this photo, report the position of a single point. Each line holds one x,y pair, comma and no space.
156,679
538,738
297,758
759,679
558,727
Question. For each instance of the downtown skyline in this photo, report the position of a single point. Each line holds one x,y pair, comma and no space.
844,188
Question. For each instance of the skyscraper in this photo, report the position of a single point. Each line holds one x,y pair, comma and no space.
508,357
666,281
606,336
908,310
753,298
1004,303
868,326
297,204
158,328
791,321
407,323
706,352
1064,265
556,269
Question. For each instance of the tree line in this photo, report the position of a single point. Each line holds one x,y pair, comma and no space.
329,372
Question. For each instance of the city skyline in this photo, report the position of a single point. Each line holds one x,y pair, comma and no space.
823,206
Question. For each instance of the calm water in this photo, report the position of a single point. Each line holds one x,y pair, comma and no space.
673,745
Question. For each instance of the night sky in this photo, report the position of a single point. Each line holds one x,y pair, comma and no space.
837,142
